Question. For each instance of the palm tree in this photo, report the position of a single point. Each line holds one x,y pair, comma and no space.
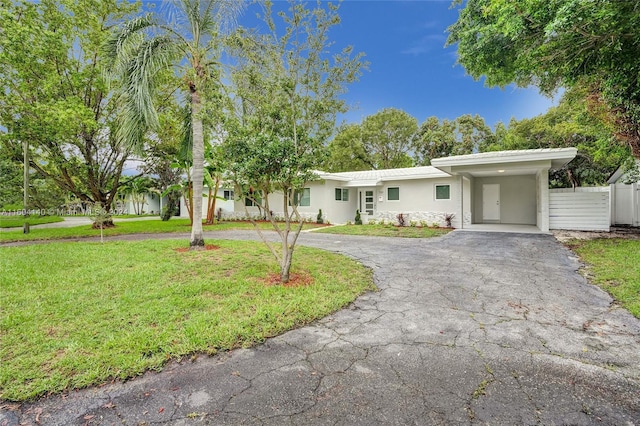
145,47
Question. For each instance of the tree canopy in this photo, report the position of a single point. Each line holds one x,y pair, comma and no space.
52,93
558,43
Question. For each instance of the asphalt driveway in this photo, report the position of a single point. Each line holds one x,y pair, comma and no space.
471,328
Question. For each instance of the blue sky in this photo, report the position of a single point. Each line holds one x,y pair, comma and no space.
410,69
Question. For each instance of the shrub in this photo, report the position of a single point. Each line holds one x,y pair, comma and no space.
319,217
447,219
358,219
401,220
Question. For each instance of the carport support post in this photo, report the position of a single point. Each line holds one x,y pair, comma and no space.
543,200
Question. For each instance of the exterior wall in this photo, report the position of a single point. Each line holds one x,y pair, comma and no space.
418,201
582,209
518,198
318,199
339,211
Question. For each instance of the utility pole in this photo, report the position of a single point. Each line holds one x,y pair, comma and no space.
25,201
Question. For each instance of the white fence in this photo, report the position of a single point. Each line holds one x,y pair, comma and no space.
625,204
580,209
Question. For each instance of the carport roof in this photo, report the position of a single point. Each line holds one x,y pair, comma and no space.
507,162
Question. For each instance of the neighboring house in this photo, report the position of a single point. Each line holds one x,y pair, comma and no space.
225,202
506,187
151,203
625,198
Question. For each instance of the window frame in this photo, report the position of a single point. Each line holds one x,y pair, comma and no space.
297,199
343,191
228,194
258,202
388,193
435,191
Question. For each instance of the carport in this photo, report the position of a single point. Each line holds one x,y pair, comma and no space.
506,187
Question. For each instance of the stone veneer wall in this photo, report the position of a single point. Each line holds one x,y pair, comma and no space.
308,217
429,217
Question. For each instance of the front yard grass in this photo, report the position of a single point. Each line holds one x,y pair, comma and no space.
80,314
614,265
127,227
18,221
385,231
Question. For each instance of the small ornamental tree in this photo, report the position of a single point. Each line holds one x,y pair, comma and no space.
287,86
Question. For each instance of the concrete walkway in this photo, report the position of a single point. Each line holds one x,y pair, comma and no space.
471,328
71,221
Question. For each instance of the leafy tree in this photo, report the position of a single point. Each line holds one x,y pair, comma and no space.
386,136
570,124
190,45
53,96
11,183
346,152
554,44
464,135
287,89
381,141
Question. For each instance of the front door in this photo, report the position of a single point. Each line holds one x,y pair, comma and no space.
491,202
366,202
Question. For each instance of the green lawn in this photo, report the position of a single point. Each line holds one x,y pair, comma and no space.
385,231
614,265
80,314
18,221
126,227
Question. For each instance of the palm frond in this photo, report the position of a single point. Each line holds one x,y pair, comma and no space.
138,112
122,45
119,40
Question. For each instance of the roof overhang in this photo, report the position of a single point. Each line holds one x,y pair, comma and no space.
505,163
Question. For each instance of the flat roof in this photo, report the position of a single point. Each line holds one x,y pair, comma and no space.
375,177
558,156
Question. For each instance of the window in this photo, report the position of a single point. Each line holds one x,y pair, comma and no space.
443,192
227,194
393,194
249,202
302,197
342,194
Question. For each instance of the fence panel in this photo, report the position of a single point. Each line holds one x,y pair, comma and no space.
579,210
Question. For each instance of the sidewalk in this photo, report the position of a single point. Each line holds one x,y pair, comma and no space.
71,221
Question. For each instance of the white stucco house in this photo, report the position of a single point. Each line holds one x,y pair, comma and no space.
505,187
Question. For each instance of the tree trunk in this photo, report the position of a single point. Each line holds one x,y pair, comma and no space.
285,266
213,196
197,238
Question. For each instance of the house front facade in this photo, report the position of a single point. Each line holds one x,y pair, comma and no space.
506,187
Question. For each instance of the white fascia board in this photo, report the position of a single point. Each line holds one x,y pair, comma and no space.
361,183
329,176
502,157
412,177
